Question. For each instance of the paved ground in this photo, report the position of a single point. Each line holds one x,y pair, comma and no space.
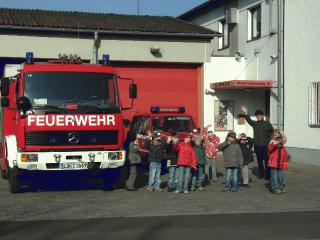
83,212
275,226
303,188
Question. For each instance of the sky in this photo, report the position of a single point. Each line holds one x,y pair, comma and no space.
147,7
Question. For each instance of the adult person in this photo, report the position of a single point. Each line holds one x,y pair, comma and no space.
134,159
262,132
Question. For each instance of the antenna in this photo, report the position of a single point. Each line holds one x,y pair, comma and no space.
138,7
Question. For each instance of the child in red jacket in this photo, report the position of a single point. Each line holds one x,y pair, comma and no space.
187,159
278,161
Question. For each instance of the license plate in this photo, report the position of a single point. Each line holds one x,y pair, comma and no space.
77,165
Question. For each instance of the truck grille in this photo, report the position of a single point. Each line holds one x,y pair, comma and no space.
71,138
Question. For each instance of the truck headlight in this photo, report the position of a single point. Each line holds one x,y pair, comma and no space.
112,156
32,157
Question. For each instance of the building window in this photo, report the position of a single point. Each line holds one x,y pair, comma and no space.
254,23
314,104
224,29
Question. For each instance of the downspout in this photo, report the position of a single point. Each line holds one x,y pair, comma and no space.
270,16
95,48
279,72
283,49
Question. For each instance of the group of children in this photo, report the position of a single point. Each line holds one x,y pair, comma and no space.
190,159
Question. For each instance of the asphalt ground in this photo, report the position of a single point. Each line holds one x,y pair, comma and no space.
275,226
84,211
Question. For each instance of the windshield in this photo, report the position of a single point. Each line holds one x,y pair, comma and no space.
172,123
63,88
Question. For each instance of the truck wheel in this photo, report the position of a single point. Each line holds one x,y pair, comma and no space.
4,173
14,183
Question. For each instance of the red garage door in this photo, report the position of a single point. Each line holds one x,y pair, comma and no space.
162,84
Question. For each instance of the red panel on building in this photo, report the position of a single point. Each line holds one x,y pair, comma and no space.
241,84
161,85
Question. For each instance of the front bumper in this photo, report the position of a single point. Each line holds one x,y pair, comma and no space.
64,161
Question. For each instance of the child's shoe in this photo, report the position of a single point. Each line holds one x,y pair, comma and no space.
150,190
186,192
284,191
193,189
234,190
225,190
201,188
176,192
277,191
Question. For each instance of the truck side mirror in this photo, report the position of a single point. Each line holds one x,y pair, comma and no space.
5,82
126,123
5,102
133,90
24,103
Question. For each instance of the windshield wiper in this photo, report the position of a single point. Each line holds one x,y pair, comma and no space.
46,106
89,106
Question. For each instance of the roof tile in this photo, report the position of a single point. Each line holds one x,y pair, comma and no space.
88,21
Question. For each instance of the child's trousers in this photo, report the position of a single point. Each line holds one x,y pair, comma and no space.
231,179
183,179
277,179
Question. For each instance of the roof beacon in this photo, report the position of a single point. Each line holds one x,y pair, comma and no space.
157,109
105,60
29,58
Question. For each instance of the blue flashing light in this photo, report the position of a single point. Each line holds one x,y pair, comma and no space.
106,60
155,109
182,109
29,57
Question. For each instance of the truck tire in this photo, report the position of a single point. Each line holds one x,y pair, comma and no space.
4,173
14,183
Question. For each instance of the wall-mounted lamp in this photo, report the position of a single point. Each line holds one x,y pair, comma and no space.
273,58
155,50
238,55
209,92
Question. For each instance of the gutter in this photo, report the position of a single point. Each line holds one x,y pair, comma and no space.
112,32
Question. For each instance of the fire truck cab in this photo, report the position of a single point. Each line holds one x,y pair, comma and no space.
61,116
164,121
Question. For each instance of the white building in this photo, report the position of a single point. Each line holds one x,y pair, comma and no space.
263,41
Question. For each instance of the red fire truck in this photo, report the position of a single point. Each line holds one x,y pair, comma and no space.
61,116
164,121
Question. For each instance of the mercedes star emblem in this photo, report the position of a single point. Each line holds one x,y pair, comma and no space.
73,137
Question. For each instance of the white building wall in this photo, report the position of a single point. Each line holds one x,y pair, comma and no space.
211,20
257,63
302,52
120,50
223,69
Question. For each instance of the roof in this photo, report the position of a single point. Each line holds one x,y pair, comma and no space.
201,9
85,21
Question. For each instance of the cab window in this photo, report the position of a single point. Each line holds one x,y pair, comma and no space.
172,123
141,124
